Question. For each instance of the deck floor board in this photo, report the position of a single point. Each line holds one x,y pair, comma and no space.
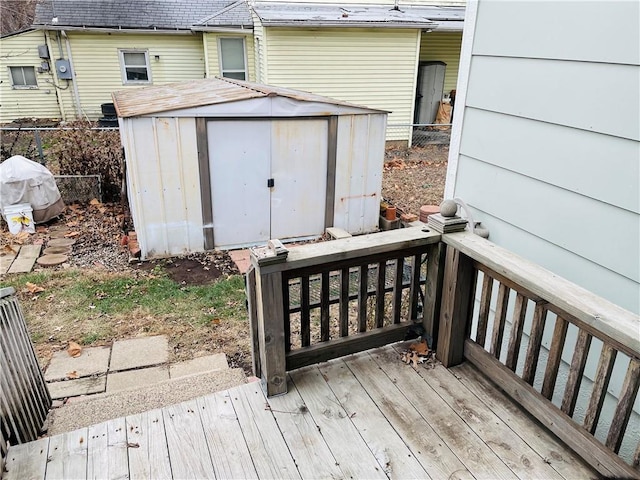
363,416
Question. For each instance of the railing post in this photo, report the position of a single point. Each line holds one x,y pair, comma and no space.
269,306
456,308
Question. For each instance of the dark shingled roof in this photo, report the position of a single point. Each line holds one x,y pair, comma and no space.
143,14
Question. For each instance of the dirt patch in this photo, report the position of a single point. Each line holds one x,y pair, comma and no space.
201,269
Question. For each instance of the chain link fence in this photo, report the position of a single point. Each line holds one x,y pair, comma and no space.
419,135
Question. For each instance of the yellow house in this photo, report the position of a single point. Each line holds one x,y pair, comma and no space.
364,53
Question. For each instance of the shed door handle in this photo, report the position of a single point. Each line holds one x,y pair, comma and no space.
270,183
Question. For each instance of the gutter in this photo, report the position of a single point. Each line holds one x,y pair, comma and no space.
341,24
115,30
241,29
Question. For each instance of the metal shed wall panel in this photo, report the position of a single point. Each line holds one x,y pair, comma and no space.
360,156
164,184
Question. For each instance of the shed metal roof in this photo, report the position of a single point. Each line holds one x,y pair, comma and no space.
198,93
335,15
142,14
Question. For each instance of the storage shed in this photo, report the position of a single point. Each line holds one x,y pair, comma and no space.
221,163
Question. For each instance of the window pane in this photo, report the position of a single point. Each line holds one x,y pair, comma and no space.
29,75
135,59
23,76
234,75
232,50
137,73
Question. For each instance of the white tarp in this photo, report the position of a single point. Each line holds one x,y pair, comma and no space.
25,181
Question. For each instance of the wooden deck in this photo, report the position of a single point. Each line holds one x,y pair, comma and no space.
364,416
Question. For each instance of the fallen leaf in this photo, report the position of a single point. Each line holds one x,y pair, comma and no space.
72,224
41,229
21,237
215,321
95,201
73,375
10,249
71,234
420,348
34,288
74,350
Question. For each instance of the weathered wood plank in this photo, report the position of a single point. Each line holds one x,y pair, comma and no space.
554,452
269,452
433,288
25,260
626,400
455,313
7,258
397,291
599,391
305,312
148,451
204,167
344,302
519,312
499,320
576,371
428,448
342,437
67,456
383,441
535,342
363,288
27,460
286,315
303,437
325,295
485,309
585,445
555,357
414,289
107,450
604,319
380,291
499,437
188,451
253,320
449,428
229,452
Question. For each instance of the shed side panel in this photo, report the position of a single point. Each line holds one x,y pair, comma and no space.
444,47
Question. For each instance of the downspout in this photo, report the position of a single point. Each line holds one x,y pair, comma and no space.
76,94
207,74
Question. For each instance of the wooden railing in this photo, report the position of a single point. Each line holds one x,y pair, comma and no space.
335,298
24,398
493,340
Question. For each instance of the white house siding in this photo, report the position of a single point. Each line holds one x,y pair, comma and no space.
371,67
259,49
97,64
212,53
548,150
445,47
21,50
164,184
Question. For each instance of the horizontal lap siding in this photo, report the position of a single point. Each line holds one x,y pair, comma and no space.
213,56
21,50
373,68
97,63
444,47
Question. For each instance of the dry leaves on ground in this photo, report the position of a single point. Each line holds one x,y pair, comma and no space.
74,350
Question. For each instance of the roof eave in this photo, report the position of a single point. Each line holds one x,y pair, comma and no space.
155,30
243,29
341,24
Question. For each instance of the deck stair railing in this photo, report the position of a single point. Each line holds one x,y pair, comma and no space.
24,398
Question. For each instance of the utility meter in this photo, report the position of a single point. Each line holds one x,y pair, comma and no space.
64,69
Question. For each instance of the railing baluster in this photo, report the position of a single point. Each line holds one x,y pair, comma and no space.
625,405
516,332
485,308
344,302
305,312
499,320
286,305
555,357
382,270
535,341
416,265
397,290
576,370
363,278
433,289
599,392
324,308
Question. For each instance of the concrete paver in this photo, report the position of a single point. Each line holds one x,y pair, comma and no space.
208,363
242,259
117,382
80,386
139,352
93,361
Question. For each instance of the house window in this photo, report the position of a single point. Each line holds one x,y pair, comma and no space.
135,66
23,77
233,62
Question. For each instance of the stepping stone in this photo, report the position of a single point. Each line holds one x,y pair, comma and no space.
56,251
117,382
58,233
139,352
74,388
60,242
93,361
208,363
52,260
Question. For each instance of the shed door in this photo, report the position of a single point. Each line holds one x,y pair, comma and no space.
239,159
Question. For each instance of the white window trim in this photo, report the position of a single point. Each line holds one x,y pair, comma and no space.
244,52
22,87
123,70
